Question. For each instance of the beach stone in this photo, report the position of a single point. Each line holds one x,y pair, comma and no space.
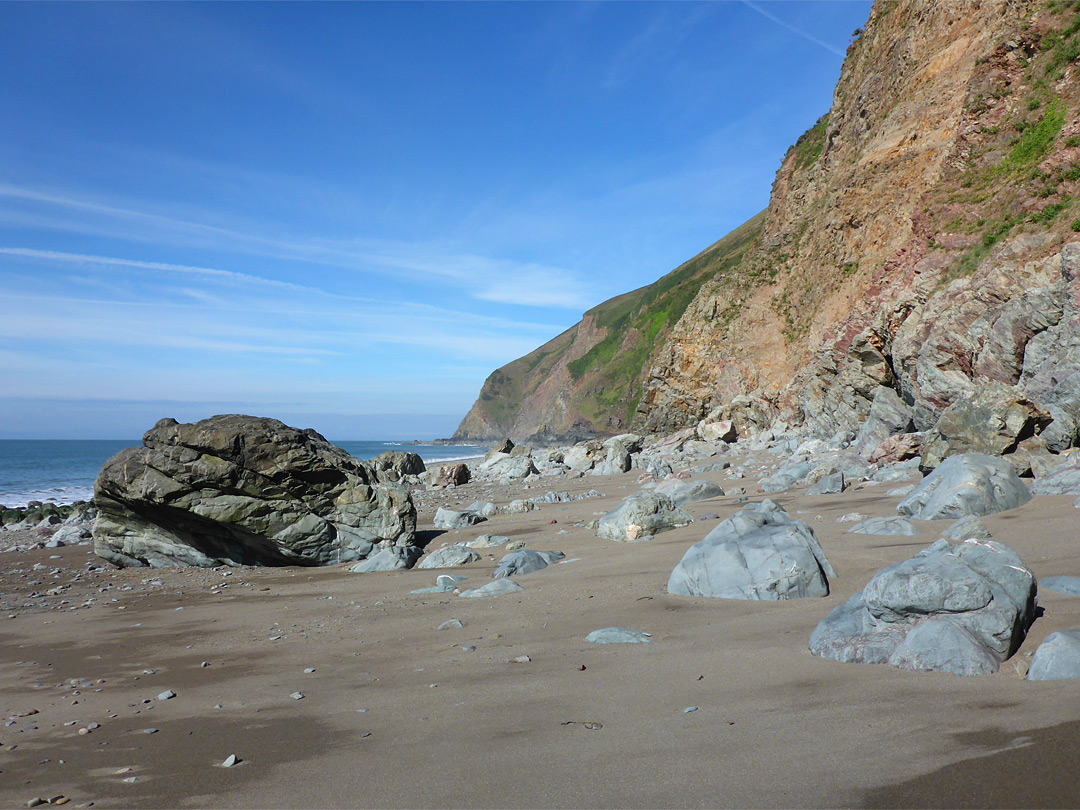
1057,658
509,468
641,516
71,535
454,519
488,541
243,490
485,508
831,484
391,558
886,526
394,465
519,507
230,761
453,475
449,557
966,528
1063,479
526,561
787,477
496,588
617,635
978,598
451,624
688,491
1069,586
968,484
897,448
168,694
759,553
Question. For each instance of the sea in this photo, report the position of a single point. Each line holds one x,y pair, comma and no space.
63,471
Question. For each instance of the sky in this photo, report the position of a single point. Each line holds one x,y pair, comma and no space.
347,215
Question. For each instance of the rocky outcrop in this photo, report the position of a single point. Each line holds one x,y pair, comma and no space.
242,490
962,609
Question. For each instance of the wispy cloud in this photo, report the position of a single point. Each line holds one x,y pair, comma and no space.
793,29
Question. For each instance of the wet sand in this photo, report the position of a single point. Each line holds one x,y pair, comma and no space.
578,725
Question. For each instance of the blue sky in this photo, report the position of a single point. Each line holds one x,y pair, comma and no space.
346,215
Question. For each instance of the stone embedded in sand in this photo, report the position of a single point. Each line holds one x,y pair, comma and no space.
455,519
496,588
391,558
831,484
966,528
962,609
1068,586
449,557
688,491
641,516
452,475
617,635
969,484
1057,658
759,553
525,561
242,490
885,525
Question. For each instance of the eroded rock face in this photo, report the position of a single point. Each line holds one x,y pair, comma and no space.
243,490
759,553
962,609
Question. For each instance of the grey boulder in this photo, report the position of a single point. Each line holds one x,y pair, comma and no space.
456,519
759,553
962,609
688,491
243,490
394,466
526,561
1063,479
885,525
828,485
496,588
641,516
617,635
392,558
968,484
1057,658
966,528
449,557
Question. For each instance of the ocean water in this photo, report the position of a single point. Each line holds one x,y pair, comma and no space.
63,471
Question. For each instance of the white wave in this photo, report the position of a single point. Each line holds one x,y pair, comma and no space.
55,495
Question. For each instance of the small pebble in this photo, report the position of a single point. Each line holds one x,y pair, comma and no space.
230,760
689,709
149,731
468,648
131,780
309,670
35,802
204,664
168,694
297,695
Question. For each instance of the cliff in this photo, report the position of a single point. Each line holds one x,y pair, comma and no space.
917,239
913,237
588,380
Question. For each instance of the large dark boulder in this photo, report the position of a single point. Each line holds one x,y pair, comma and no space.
394,465
243,490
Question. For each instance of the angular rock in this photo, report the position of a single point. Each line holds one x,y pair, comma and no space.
889,415
885,526
511,468
641,516
688,491
1057,658
455,519
897,448
961,609
525,561
617,635
449,557
242,490
488,541
392,558
72,535
969,484
496,588
831,484
394,466
992,420
485,508
1063,479
453,475
714,432
759,553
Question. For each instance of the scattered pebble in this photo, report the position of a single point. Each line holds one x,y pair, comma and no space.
522,659
297,695
689,709
149,731
309,670
230,760
168,694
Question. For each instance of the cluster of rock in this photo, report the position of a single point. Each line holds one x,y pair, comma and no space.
45,525
240,490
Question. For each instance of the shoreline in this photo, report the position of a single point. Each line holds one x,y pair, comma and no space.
514,708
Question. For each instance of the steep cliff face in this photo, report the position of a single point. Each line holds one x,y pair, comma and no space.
588,380
913,238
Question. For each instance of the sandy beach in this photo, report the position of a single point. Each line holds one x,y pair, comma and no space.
398,713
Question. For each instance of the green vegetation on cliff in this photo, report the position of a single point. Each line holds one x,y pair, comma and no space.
606,357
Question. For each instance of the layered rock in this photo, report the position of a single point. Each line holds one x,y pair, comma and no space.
242,490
